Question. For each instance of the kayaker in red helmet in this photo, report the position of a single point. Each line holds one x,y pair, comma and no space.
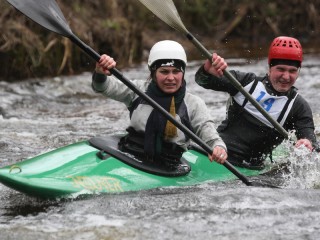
249,137
150,135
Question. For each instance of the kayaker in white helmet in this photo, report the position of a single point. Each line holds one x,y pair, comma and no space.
249,137
150,135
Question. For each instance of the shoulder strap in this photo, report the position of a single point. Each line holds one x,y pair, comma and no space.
134,105
291,96
250,92
184,116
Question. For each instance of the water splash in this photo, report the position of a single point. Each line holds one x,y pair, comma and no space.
303,169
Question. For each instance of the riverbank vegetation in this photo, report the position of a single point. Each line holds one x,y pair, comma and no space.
126,30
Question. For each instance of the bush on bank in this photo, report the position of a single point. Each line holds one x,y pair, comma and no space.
126,30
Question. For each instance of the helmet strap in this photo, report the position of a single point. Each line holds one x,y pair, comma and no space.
168,63
293,63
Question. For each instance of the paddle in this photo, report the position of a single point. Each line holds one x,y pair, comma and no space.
167,12
48,14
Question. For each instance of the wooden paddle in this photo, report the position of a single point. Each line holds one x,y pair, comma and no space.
167,12
48,14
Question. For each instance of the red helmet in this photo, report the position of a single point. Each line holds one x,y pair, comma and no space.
286,48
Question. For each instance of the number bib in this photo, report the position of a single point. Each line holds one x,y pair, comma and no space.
274,105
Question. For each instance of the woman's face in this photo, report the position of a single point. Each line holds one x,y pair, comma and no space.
169,79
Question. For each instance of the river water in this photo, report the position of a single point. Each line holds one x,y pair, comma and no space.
43,114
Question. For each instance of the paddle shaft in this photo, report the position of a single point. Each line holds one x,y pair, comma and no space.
239,87
156,106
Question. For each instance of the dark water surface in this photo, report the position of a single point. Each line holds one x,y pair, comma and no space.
44,114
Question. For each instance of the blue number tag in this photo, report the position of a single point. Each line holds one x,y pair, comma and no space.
266,104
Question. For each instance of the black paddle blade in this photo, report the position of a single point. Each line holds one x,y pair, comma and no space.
44,12
262,183
249,182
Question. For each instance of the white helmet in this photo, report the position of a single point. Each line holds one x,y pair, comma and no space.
167,49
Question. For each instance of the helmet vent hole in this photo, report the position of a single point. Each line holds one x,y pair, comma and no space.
286,48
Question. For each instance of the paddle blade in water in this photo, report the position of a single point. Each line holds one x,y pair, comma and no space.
167,12
44,12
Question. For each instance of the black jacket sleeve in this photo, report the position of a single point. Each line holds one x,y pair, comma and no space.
301,119
223,84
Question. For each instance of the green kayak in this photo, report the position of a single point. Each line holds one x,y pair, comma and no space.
97,166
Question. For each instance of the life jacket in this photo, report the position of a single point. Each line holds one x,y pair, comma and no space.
278,107
171,153
239,108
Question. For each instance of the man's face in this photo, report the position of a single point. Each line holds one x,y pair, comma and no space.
283,77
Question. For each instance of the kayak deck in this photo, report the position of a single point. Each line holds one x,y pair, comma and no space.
76,169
